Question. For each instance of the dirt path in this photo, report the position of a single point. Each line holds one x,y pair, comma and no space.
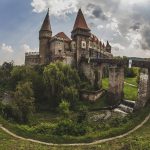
130,84
77,144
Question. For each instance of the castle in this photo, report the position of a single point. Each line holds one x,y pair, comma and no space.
60,47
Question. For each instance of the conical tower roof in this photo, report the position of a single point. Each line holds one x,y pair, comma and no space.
80,22
46,26
108,45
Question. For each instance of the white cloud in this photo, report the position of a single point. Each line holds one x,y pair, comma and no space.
114,26
100,27
27,48
6,48
56,7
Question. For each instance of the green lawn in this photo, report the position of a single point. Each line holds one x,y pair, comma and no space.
131,81
101,130
130,92
139,140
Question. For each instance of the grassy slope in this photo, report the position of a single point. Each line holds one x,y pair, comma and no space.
139,140
130,92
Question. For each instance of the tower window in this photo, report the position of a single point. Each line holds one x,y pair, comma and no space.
83,44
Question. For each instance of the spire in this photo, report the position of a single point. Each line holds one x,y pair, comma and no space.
80,21
108,43
46,26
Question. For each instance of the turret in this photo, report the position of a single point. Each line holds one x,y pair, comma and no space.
80,34
45,35
108,47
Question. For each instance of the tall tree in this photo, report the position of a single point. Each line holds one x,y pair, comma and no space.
23,102
57,77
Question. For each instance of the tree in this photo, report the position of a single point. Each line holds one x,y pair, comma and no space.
64,108
28,74
23,102
58,77
71,95
5,74
21,74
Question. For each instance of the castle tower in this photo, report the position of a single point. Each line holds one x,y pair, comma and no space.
45,35
108,47
80,35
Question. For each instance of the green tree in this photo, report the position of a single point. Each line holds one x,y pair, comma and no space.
64,108
71,95
58,77
23,102
5,74
29,74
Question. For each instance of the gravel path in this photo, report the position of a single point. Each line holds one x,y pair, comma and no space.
77,144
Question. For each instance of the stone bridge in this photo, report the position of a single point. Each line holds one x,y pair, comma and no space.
93,70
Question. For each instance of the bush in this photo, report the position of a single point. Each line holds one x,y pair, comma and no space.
68,127
64,108
43,128
131,72
82,114
22,106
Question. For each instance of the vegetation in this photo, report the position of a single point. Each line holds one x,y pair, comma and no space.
127,88
45,105
62,82
139,140
22,106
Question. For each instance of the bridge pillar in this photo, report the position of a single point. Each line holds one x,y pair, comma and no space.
143,90
116,84
89,72
93,74
99,76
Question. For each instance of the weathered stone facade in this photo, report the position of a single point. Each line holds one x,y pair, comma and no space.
144,89
91,96
116,84
60,47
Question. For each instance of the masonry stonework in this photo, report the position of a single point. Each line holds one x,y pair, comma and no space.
116,84
68,50
144,89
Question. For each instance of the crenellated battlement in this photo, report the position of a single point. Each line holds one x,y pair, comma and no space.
31,53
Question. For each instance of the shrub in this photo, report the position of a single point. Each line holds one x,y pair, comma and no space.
43,128
82,114
64,108
68,127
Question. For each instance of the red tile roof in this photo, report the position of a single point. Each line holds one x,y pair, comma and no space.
63,35
80,21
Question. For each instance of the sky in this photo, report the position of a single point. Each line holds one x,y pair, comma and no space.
124,23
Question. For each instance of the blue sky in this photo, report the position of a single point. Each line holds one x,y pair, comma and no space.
125,23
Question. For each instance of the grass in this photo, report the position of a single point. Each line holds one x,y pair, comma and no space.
100,103
139,140
131,81
26,131
130,92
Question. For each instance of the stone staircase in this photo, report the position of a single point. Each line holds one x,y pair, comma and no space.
125,107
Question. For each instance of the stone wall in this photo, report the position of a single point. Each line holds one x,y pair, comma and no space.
116,84
89,72
144,89
32,59
91,95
